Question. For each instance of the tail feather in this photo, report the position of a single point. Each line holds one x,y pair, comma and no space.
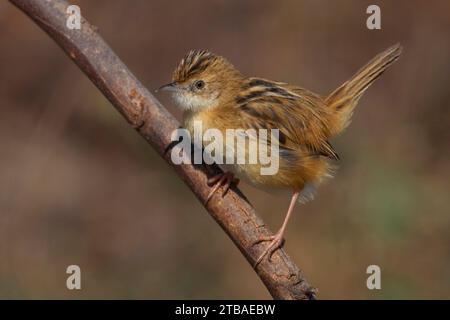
345,98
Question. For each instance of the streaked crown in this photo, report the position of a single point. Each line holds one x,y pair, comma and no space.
203,80
199,61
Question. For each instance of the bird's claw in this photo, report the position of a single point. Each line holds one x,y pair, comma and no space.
225,179
277,242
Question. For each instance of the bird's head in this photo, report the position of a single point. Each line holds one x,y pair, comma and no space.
202,80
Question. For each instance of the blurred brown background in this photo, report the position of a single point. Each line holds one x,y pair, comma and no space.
79,186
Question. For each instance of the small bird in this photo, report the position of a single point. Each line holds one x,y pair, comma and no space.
210,89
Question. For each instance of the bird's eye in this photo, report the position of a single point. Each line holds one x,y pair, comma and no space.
199,84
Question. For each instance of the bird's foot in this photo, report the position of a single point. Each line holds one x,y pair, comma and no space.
225,179
276,242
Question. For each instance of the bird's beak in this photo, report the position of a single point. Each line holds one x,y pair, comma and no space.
168,87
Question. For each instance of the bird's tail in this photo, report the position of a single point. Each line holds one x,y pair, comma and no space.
344,99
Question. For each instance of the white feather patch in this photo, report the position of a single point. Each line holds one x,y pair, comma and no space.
308,193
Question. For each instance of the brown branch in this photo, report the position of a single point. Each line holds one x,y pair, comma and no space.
154,123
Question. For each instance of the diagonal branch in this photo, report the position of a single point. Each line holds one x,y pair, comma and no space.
154,123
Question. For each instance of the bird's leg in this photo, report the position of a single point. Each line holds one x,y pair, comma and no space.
225,179
277,240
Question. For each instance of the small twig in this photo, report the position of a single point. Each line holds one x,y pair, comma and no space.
154,123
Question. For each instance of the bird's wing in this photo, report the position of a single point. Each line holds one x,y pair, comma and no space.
299,115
